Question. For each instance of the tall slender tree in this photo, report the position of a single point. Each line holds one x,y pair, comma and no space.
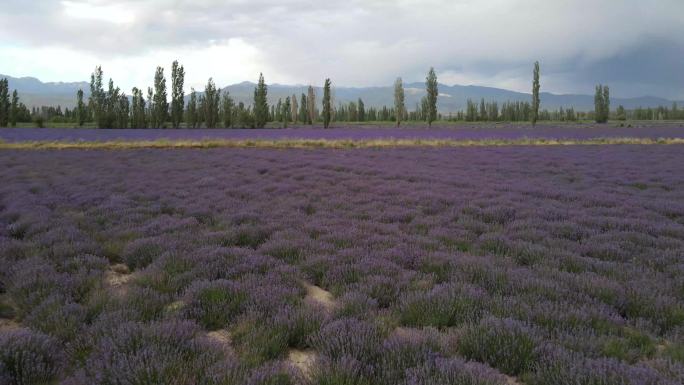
303,112
177,94
161,103
399,107
227,107
261,103
97,96
191,117
138,116
14,109
80,108
432,93
535,93
295,109
210,106
151,117
327,108
4,102
601,104
311,104
361,111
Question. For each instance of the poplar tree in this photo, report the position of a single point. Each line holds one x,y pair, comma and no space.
287,110
138,118
361,113
535,94
260,103
399,106
177,94
327,108
161,104
432,93
601,104
4,102
311,106
151,117
191,114
227,105
211,104
80,108
303,112
97,96
295,109
14,109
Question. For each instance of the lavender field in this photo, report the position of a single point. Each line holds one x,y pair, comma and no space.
413,266
469,132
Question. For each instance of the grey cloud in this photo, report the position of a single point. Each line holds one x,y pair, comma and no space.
371,42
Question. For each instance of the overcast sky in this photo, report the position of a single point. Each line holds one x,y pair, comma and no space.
635,46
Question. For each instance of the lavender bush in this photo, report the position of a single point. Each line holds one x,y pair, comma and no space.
557,265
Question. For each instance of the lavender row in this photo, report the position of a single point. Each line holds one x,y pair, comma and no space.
445,266
474,132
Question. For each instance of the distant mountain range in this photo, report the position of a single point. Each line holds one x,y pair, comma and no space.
33,92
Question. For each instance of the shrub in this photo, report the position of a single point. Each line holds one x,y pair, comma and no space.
349,337
357,305
557,366
28,358
505,344
343,371
57,317
444,306
215,303
161,353
453,371
141,252
404,350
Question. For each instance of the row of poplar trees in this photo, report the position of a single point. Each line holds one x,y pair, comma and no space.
111,108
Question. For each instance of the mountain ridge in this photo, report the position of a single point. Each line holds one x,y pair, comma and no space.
452,98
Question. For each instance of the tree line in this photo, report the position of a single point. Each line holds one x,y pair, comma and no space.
110,107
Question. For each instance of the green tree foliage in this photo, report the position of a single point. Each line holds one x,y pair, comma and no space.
177,94
210,105
303,110
601,104
432,93
227,109
191,115
399,106
138,115
80,108
151,117
295,108
286,111
361,114
620,113
122,111
483,111
161,104
108,106
4,102
260,103
97,96
311,106
14,109
327,108
535,94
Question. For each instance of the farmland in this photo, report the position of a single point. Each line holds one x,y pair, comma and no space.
472,265
503,131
